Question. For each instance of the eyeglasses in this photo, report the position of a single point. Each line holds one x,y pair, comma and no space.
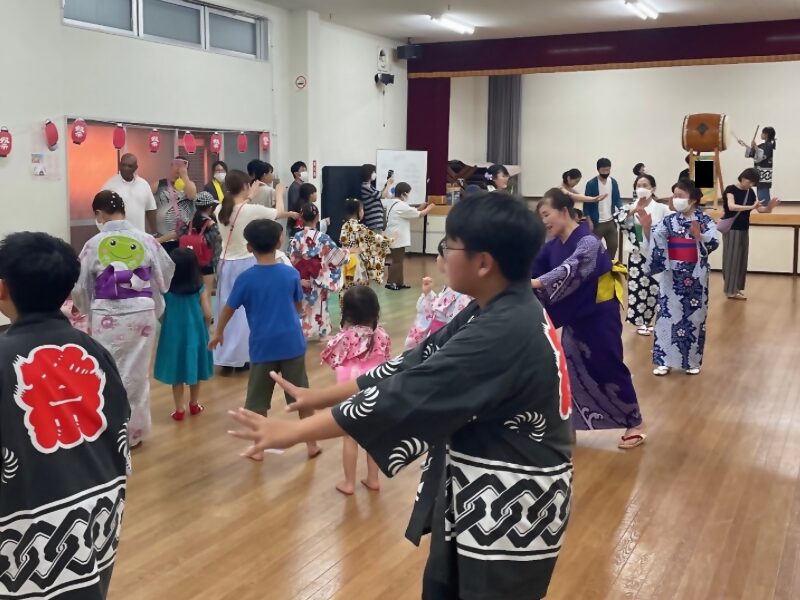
446,249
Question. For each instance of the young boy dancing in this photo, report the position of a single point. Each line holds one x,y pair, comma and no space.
64,430
487,397
271,295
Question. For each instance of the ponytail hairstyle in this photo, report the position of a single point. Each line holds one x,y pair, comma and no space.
770,131
559,201
235,183
571,174
309,213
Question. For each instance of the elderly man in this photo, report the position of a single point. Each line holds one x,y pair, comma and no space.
136,192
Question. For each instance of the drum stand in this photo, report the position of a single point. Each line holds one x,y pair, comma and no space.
709,194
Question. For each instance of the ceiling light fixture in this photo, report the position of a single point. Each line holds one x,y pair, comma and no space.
641,9
453,25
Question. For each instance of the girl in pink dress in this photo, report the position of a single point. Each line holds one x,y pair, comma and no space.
361,345
434,311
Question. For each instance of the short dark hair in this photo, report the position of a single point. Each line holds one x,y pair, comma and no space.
571,174
559,201
647,176
108,202
298,165
496,170
306,190
259,169
502,226
221,163
750,174
187,279
366,172
637,168
360,306
40,271
688,186
251,166
602,163
309,212
402,188
263,235
351,208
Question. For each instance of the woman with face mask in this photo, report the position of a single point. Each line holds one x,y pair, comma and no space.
371,198
216,187
642,288
398,229
678,249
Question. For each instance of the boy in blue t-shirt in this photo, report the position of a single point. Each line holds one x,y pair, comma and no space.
271,294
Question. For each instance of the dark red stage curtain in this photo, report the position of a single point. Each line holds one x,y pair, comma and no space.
429,127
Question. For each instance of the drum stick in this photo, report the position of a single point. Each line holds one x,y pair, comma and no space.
756,133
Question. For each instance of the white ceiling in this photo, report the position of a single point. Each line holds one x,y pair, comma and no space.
401,19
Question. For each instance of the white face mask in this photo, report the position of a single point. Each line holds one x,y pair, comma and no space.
304,176
680,204
643,193
374,176
220,177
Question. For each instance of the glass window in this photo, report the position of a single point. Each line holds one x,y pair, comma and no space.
172,20
106,13
236,35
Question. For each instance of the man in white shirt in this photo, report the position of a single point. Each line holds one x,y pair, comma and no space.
601,211
136,193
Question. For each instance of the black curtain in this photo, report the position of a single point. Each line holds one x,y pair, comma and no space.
505,106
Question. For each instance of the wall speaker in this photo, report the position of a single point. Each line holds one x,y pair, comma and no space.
409,52
384,78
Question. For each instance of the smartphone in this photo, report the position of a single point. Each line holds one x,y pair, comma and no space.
389,176
276,181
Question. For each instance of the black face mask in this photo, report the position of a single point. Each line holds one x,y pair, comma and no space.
604,176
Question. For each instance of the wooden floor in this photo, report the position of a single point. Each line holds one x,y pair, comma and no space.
708,508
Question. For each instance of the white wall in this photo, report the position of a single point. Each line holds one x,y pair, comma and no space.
572,119
469,118
355,118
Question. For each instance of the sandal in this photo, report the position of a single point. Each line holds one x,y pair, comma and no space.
196,409
693,371
631,441
643,330
178,415
661,371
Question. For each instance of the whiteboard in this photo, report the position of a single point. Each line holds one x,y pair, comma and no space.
410,166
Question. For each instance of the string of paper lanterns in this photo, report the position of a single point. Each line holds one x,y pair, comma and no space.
80,131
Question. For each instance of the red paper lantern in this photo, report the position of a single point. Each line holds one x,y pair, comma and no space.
189,142
79,131
215,143
119,137
6,142
241,143
51,134
154,140
264,138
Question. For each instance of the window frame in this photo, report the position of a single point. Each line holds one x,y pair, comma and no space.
132,32
172,41
258,23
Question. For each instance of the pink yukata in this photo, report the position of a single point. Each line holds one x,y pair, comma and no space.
434,311
356,350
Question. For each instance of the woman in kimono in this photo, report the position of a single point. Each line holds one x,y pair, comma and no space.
642,287
319,261
368,250
679,249
124,274
574,279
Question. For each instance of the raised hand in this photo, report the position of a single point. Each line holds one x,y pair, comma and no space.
427,285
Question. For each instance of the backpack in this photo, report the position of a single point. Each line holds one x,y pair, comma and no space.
386,215
197,242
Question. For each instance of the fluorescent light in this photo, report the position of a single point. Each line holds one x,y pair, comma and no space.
647,9
641,9
453,25
636,9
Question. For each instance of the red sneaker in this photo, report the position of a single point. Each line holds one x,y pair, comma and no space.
196,409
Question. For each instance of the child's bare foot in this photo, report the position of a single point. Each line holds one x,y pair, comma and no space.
346,488
373,486
314,451
253,454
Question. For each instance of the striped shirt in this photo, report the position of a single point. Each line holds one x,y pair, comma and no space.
373,207
166,220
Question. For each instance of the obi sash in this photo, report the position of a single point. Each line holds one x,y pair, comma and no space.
682,249
114,284
435,326
612,284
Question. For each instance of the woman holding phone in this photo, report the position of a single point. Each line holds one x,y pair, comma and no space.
174,202
371,197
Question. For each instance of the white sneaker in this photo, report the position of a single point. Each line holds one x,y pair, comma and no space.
693,371
661,371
